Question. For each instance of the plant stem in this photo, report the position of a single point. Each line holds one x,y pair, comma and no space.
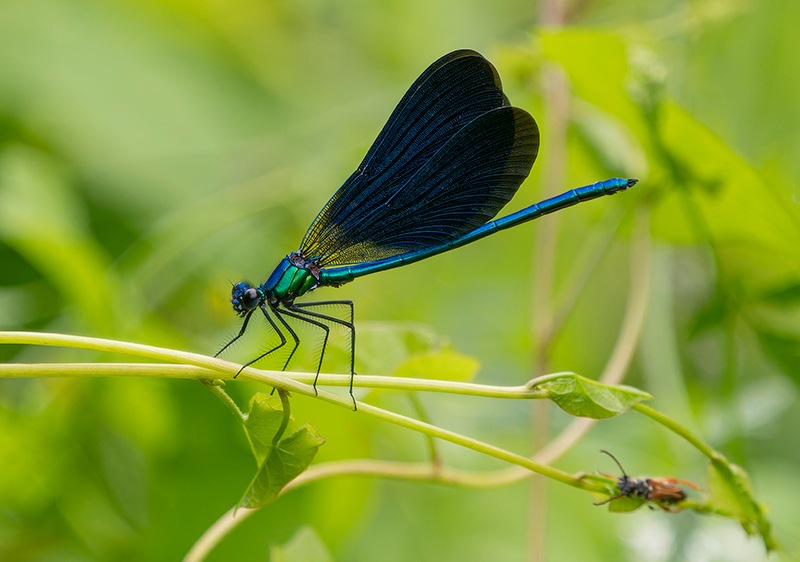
287,415
478,446
678,429
165,370
225,398
279,380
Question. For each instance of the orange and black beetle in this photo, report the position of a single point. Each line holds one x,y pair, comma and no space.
663,491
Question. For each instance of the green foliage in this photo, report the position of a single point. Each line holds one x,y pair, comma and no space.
582,397
731,492
151,150
625,505
282,450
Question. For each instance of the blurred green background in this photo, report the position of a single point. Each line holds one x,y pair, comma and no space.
152,151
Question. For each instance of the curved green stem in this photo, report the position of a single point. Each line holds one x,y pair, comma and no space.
419,410
422,472
225,369
678,429
217,390
209,370
165,370
287,415
478,446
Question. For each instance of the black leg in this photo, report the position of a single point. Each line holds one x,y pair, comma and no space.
239,335
294,314
277,330
302,309
291,333
349,325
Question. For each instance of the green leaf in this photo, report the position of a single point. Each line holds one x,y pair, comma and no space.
282,451
732,492
762,244
304,546
445,364
579,396
284,463
625,504
263,421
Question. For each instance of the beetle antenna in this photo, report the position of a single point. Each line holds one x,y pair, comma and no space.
615,460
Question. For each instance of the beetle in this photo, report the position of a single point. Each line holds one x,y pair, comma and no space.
664,491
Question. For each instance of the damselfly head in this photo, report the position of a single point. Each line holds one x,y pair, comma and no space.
244,298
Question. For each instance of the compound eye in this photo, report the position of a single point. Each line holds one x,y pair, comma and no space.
250,299
244,298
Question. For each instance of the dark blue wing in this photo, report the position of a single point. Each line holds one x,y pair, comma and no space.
451,155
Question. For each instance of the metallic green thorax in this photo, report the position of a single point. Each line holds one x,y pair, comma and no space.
293,277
